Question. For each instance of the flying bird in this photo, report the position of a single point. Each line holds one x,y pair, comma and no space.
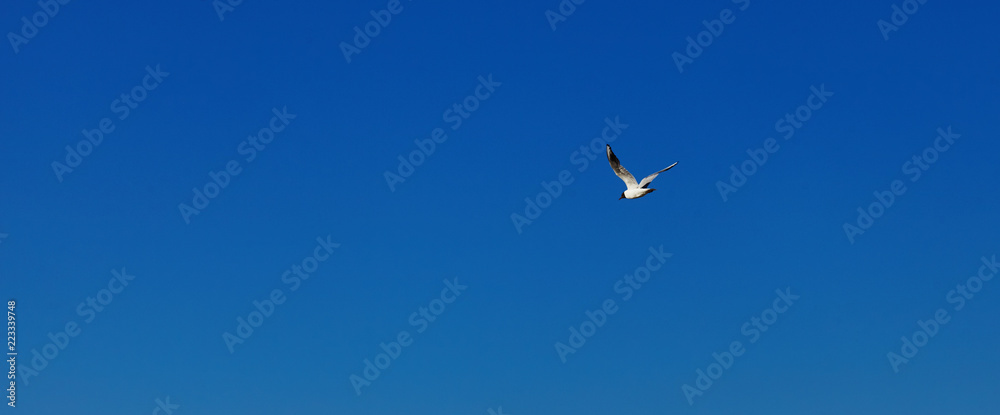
635,190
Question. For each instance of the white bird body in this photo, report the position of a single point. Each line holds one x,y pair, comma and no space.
634,190
636,193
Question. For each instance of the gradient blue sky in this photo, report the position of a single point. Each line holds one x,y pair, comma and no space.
494,346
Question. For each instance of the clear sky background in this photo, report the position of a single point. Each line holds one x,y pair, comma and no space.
494,347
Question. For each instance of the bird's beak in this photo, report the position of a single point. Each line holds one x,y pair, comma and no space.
622,197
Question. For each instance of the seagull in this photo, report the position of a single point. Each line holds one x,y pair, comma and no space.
635,190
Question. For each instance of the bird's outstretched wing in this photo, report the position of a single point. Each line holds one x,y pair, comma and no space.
649,179
620,171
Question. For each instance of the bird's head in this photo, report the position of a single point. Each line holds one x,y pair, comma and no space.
622,197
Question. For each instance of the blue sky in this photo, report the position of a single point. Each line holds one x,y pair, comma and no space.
320,172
